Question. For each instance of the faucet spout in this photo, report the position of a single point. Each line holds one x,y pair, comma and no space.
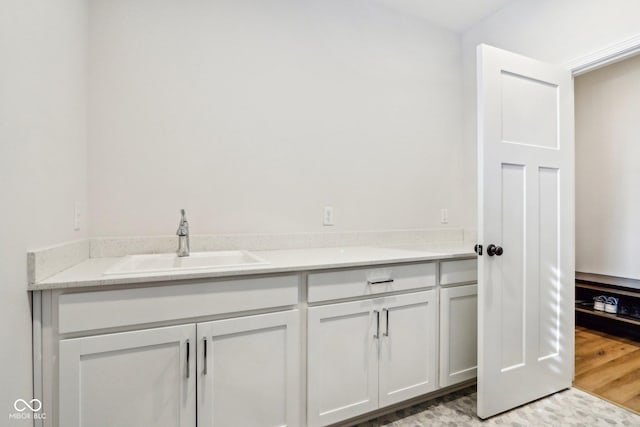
183,235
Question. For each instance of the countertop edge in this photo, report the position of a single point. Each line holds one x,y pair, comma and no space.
134,281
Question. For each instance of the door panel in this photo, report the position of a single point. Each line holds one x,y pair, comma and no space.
529,109
342,362
250,373
549,267
407,346
511,282
139,378
458,334
525,196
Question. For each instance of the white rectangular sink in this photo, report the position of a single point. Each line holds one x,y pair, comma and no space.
157,263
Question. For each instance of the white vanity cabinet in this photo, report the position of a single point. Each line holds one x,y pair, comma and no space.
408,347
371,353
248,371
230,356
137,378
458,321
291,349
342,361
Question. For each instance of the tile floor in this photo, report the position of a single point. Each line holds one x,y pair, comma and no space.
571,407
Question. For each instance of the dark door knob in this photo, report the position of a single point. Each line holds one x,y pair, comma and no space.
494,250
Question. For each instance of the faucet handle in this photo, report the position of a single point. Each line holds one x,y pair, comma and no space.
183,226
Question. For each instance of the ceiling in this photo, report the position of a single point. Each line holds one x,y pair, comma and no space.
456,15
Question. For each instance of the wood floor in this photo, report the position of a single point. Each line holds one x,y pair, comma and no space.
608,366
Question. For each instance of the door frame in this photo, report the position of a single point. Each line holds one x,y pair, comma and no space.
610,54
600,58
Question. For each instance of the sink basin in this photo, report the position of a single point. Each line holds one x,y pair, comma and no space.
157,263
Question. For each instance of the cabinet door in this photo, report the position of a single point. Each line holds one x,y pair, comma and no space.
408,346
342,368
139,378
249,371
458,334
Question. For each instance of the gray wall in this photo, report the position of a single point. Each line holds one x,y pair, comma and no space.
608,170
255,115
43,160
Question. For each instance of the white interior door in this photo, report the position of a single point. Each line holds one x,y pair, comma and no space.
526,210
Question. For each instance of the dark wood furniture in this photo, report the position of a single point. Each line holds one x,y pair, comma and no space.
627,321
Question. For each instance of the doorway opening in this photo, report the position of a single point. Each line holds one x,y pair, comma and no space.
607,336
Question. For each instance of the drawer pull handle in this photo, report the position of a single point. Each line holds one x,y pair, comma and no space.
377,334
188,368
386,333
205,354
379,282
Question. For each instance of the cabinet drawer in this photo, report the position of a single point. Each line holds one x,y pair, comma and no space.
370,281
84,311
458,271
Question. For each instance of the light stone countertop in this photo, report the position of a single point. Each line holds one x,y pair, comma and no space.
90,273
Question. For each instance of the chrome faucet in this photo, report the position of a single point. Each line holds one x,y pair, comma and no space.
183,235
